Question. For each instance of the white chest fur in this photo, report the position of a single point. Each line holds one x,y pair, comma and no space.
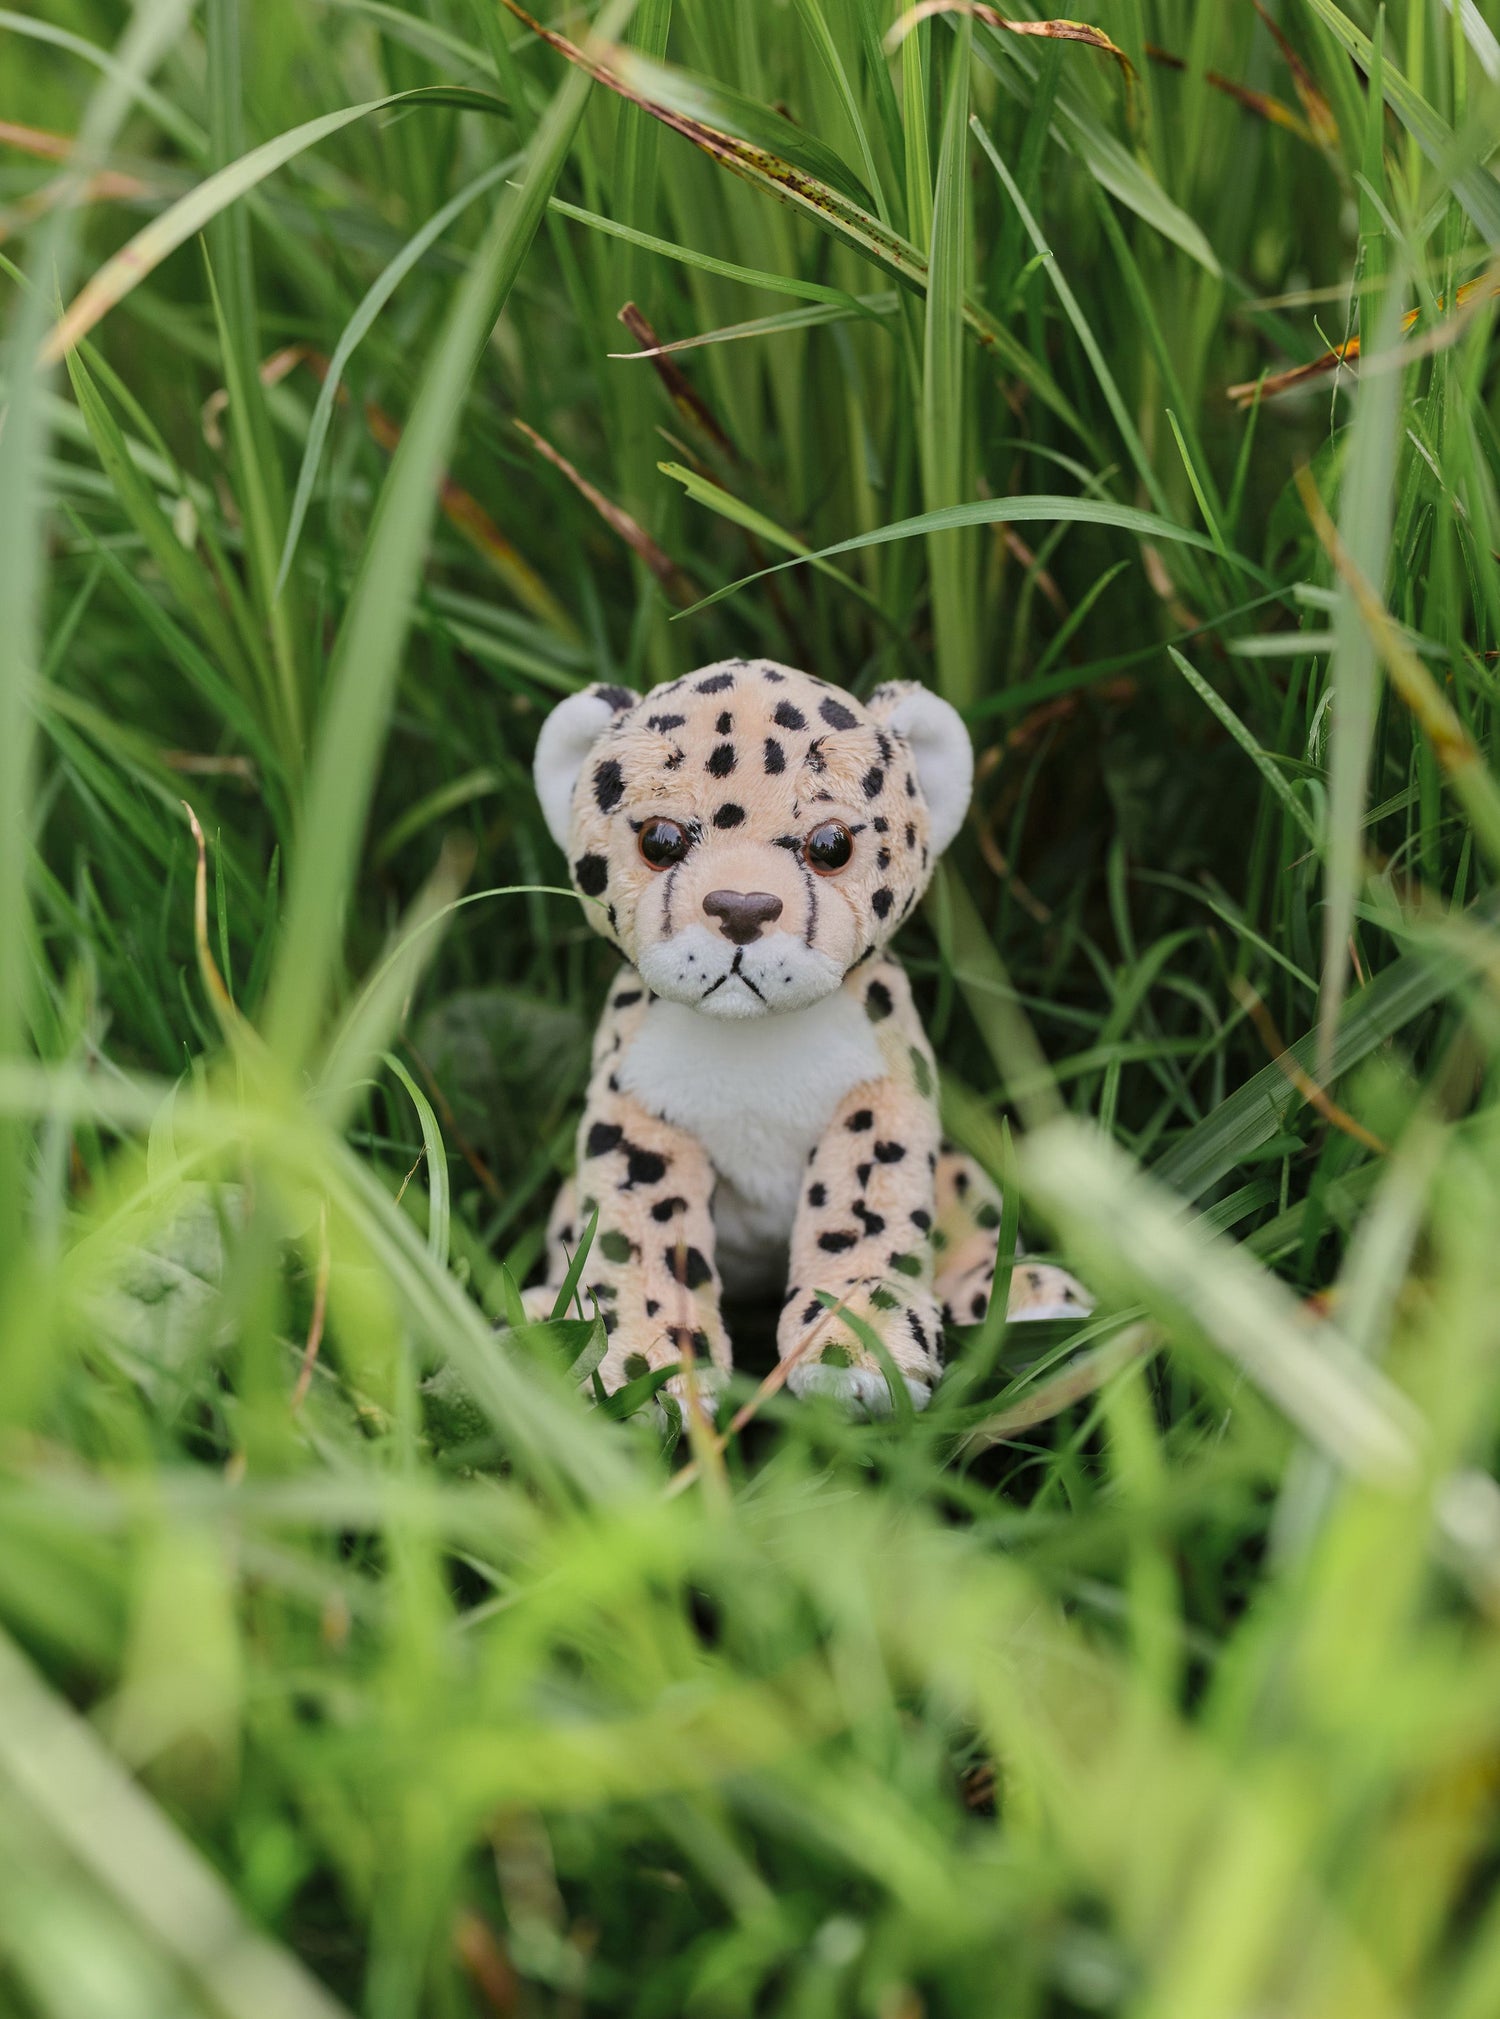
757,1094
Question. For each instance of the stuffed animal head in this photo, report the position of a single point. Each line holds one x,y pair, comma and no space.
751,832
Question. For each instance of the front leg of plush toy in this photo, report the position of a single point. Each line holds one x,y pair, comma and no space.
651,1267
863,1234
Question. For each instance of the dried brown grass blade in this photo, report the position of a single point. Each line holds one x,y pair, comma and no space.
1261,103
679,389
1049,31
678,586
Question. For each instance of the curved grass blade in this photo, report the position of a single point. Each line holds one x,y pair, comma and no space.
1038,510
151,245
437,1164
812,317
1264,764
358,326
751,276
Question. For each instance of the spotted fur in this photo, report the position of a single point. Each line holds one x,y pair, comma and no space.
762,1108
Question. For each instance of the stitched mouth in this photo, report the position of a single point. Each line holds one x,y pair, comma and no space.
733,972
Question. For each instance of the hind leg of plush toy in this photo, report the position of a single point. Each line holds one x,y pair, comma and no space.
967,1240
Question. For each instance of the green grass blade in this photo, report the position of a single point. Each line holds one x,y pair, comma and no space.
944,430
367,656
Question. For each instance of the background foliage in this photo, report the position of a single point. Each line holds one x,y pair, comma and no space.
348,1661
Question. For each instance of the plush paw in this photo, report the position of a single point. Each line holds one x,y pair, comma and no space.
1037,1290
832,1359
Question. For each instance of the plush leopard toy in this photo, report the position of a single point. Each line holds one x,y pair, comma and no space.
762,1110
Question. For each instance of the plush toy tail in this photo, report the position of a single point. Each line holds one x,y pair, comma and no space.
967,1239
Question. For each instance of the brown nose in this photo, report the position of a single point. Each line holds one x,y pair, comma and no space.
742,913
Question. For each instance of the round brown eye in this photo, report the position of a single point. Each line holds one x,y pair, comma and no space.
663,842
828,847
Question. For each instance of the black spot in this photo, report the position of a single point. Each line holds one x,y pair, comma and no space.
591,873
921,1218
644,1167
960,1182
729,815
611,1320
916,1329
775,755
862,1172
813,1312
652,1307
911,786
627,996
688,1267
665,1208
862,1118
979,1305
878,1004
882,857
714,684
603,1137
788,717
911,835
817,1195
872,781
605,1292
881,902
835,1244
721,760
609,785
885,745
665,722
890,1153
987,1215
880,824
816,761
770,673
836,715
674,762
617,697
871,1222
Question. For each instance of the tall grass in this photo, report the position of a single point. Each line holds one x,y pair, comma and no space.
348,1661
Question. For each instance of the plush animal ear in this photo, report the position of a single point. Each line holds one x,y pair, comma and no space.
568,735
934,733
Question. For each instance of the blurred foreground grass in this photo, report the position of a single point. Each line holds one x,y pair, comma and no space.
350,1664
